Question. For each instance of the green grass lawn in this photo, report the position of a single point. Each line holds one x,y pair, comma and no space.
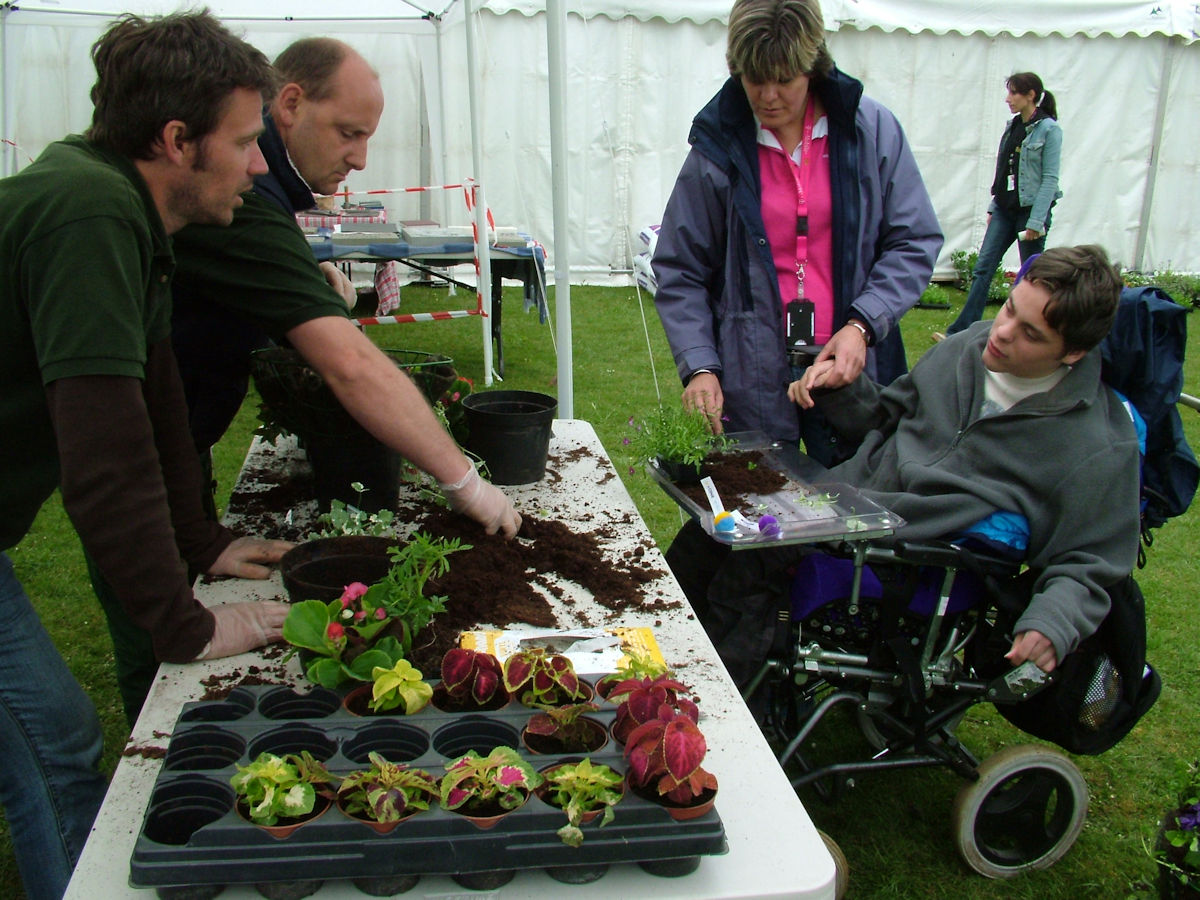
894,828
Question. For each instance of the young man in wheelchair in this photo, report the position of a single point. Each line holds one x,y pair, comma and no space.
1010,415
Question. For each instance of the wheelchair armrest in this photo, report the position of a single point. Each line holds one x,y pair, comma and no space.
946,555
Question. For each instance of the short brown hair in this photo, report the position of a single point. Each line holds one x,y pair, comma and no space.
1084,289
776,40
154,70
312,63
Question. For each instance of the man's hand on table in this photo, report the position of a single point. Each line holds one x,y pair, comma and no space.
249,557
483,502
244,626
341,285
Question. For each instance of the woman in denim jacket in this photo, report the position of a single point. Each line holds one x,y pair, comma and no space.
1023,190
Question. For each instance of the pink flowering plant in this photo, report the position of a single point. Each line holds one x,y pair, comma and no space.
344,637
500,781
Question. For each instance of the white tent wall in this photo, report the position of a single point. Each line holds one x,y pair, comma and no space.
638,71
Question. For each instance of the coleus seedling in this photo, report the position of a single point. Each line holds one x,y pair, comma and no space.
387,792
472,674
664,755
580,788
502,778
539,678
564,723
640,700
401,684
281,787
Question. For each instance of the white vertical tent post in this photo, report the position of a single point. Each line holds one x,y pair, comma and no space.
556,42
8,152
482,248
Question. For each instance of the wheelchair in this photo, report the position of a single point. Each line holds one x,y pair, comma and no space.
901,635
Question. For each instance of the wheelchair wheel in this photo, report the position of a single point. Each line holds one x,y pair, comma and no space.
1024,812
840,864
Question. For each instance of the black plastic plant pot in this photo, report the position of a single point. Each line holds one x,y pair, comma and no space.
387,885
288,890
485,881
679,472
671,868
238,704
183,806
294,739
393,741
321,569
190,892
510,431
356,456
577,874
443,701
203,747
287,704
473,733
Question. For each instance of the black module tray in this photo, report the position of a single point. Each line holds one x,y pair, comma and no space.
193,835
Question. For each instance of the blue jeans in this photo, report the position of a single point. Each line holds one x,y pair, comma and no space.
50,734
1002,230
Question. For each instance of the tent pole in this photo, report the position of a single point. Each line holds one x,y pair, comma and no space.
8,152
556,42
1160,115
482,243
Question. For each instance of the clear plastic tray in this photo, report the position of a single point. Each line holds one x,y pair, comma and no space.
810,508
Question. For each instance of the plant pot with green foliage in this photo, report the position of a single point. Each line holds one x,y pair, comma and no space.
282,793
634,665
371,627
400,690
538,678
386,794
676,440
565,729
472,681
584,791
487,788
1177,847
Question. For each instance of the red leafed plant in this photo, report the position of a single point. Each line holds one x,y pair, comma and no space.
664,756
538,678
641,699
471,675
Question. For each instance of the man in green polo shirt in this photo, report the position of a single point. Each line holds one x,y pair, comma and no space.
91,402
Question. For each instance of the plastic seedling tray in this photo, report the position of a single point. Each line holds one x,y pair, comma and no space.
810,508
193,835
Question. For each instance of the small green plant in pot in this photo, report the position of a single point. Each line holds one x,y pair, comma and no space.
1177,850
402,685
538,678
347,519
634,665
281,787
581,790
386,792
679,439
488,785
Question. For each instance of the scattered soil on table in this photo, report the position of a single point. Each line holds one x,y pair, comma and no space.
144,751
492,583
735,479
218,687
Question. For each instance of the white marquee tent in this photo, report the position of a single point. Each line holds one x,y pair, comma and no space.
1126,74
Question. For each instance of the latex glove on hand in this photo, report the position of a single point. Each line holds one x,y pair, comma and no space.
243,626
483,502
242,557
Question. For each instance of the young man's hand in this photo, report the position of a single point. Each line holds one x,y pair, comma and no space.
815,376
483,502
1035,646
244,626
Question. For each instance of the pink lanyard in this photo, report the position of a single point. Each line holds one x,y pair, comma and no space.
802,178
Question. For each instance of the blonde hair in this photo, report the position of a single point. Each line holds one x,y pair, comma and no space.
776,40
